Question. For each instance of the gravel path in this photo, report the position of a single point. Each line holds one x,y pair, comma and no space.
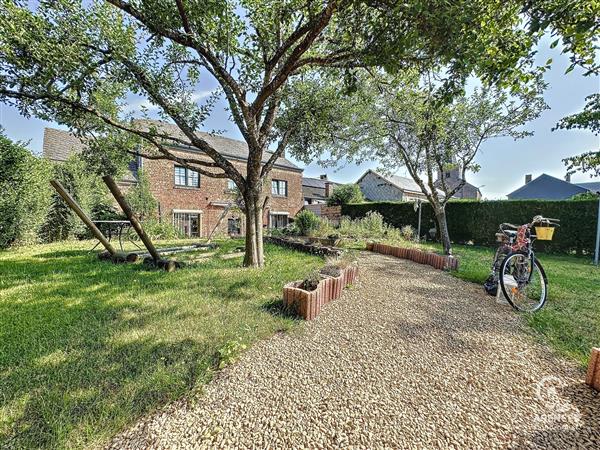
410,357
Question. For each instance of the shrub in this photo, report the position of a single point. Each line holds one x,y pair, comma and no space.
160,230
344,194
408,232
307,222
25,193
477,221
140,198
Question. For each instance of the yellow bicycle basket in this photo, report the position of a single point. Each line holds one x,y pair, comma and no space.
544,233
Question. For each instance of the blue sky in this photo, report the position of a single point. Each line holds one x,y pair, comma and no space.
504,162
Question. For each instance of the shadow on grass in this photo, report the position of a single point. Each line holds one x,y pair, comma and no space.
87,346
276,308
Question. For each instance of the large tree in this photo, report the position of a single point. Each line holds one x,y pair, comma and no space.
74,63
408,121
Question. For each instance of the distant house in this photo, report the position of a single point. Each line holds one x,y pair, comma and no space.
547,187
451,179
317,190
377,187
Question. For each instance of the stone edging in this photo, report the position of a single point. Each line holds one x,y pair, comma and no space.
442,262
308,304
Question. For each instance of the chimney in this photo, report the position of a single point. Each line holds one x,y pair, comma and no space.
527,178
328,188
568,178
323,177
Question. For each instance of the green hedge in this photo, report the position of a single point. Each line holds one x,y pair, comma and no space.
477,222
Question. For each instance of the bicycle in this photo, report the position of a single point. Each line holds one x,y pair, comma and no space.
516,269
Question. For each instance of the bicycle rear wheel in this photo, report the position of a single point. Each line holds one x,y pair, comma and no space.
523,282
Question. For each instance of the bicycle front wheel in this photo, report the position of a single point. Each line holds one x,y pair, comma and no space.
523,282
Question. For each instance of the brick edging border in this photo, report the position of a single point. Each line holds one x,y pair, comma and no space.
593,374
442,262
308,304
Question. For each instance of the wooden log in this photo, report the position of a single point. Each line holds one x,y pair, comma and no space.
137,226
82,215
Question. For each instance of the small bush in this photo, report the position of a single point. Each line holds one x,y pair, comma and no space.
160,230
311,282
307,222
344,194
408,232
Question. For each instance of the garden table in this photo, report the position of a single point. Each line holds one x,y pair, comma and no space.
115,228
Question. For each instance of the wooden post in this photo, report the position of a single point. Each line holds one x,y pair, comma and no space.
593,373
137,226
82,215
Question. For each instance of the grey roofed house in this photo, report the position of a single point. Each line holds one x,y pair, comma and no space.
378,187
231,148
547,187
59,144
316,190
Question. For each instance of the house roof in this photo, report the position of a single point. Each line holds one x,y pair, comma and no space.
317,183
546,187
228,147
592,186
60,144
402,183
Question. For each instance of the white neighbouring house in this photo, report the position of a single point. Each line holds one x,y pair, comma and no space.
393,188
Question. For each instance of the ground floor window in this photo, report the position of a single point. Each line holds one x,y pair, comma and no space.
278,220
234,226
188,223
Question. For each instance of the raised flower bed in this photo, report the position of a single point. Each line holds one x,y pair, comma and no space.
593,373
307,304
442,262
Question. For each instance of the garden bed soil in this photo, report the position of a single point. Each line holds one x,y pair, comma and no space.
308,304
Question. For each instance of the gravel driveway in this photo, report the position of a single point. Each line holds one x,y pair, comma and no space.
410,357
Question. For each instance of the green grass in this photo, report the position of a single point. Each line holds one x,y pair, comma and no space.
86,347
570,320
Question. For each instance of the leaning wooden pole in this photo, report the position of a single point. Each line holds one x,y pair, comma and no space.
83,216
137,226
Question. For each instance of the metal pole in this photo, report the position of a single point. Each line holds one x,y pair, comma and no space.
597,252
419,224
82,215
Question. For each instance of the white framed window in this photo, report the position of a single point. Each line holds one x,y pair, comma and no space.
278,219
231,185
186,177
188,223
279,188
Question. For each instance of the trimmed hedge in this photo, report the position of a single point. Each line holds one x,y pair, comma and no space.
477,221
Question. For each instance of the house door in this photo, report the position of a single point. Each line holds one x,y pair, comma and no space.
189,224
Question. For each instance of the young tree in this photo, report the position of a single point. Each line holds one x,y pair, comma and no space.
408,121
74,63
344,194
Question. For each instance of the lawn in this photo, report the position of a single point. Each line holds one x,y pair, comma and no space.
570,320
86,347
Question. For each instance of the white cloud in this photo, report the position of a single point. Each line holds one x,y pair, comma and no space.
137,104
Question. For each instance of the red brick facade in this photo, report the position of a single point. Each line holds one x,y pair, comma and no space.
209,199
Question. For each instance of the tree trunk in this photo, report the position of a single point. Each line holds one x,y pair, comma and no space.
259,233
440,216
254,247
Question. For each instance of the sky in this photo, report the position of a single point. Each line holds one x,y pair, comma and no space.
504,162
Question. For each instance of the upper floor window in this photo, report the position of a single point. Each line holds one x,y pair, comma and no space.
279,187
186,177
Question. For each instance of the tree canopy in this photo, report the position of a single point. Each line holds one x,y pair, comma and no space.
76,62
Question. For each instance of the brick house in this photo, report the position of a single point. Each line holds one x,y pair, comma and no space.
193,202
